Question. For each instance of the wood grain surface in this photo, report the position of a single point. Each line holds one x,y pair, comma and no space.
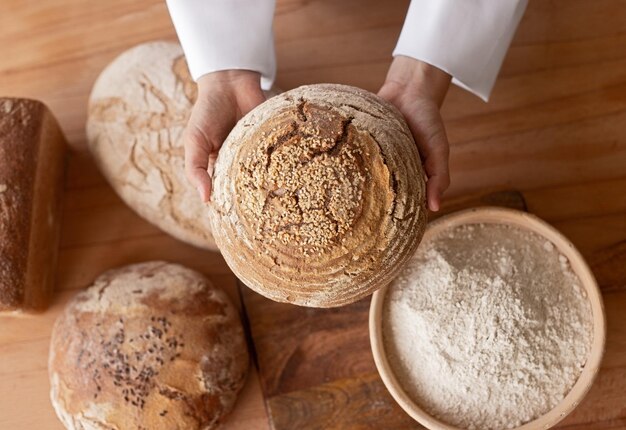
555,129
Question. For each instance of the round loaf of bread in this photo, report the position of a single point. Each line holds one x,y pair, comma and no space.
138,110
319,196
147,346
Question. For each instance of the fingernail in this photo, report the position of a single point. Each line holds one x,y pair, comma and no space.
434,206
200,193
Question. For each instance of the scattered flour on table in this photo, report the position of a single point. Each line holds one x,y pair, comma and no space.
487,327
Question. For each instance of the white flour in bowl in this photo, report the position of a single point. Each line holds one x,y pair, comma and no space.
487,327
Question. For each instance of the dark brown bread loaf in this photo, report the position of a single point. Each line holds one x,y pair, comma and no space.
148,346
319,196
31,171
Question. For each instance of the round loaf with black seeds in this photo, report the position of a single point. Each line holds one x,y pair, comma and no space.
147,346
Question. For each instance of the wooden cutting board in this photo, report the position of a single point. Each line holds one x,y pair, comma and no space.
316,366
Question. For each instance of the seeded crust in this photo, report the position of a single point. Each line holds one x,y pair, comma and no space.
148,346
319,196
31,171
138,110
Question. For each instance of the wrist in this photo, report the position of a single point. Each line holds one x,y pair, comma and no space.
417,79
235,78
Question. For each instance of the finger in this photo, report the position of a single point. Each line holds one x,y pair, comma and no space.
436,167
435,187
433,146
388,92
197,153
250,99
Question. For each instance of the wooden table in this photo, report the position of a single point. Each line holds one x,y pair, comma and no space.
555,129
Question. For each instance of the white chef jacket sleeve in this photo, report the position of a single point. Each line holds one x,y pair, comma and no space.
226,34
466,38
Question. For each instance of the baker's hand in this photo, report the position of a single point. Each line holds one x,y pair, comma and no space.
223,98
417,89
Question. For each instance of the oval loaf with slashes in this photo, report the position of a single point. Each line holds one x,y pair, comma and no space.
138,110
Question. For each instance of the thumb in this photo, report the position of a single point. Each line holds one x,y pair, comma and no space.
197,153
250,98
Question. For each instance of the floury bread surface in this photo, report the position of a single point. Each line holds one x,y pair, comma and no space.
148,346
31,171
319,196
138,110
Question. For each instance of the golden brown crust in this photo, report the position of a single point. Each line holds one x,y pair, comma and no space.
319,196
138,109
31,156
147,346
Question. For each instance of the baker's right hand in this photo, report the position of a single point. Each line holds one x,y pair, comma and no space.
223,98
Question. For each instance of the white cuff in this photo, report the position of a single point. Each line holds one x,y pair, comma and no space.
226,34
466,38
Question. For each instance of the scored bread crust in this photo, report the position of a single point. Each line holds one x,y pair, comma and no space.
147,346
138,110
318,196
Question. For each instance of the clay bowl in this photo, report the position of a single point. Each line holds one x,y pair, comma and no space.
525,221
